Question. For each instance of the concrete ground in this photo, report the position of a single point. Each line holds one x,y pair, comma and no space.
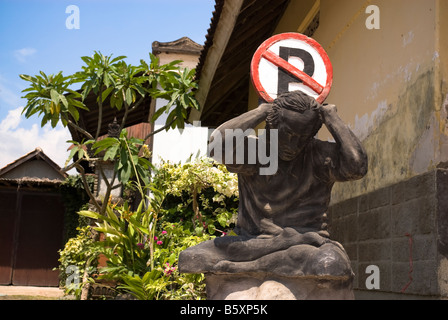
39,292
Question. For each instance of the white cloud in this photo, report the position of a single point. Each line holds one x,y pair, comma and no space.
17,140
12,120
22,54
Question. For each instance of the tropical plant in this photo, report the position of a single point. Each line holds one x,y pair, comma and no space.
142,247
123,87
80,255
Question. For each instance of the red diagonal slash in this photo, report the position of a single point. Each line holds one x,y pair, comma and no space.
281,63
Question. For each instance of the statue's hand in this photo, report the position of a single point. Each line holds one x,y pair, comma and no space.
326,111
328,108
265,108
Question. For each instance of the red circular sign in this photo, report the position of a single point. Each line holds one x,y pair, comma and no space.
270,66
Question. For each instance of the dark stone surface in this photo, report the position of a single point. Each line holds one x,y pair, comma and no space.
288,254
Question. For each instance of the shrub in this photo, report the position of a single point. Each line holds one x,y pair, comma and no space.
202,194
142,247
79,255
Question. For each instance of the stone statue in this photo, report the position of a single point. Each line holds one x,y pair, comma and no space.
281,227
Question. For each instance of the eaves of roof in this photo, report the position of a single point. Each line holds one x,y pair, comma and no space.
237,29
35,154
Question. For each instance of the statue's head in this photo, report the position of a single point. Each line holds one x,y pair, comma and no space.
295,115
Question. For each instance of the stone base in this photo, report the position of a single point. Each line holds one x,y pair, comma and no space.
269,287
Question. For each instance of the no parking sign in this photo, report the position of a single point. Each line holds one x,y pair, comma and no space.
291,61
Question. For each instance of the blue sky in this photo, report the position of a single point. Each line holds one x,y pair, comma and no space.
34,37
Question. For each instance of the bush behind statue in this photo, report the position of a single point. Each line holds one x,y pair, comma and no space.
188,204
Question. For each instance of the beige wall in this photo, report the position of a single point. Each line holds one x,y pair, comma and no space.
388,83
188,60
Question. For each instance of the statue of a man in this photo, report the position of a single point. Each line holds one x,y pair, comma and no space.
281,223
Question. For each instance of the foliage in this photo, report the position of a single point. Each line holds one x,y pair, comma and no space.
202,193
122,87
124,152
142,247
79,252
164,281
125,232
125,85
181,205
51,97
75,198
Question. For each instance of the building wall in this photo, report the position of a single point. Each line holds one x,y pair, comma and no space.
401,229
385,83
174,145
390,87
37,169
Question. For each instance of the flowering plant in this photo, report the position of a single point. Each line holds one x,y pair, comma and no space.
202,193
142,247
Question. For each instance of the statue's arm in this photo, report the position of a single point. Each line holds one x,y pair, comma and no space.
350,162
225,134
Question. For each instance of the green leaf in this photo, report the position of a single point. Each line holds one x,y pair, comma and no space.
26,77
106,80
170,117
117,58
194,103
81,153
112,101
136,224
77,103
74,113
89,214
140,90
111,152
158,113
129,96
106,93
63,100
119,102
86,90
71,155
104,144
107,230
173,63
54,96
125,173
54,122
112,215
86,59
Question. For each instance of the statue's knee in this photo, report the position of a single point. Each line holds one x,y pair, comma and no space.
329,259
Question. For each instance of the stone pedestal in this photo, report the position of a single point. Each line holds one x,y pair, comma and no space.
258,286
277,268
